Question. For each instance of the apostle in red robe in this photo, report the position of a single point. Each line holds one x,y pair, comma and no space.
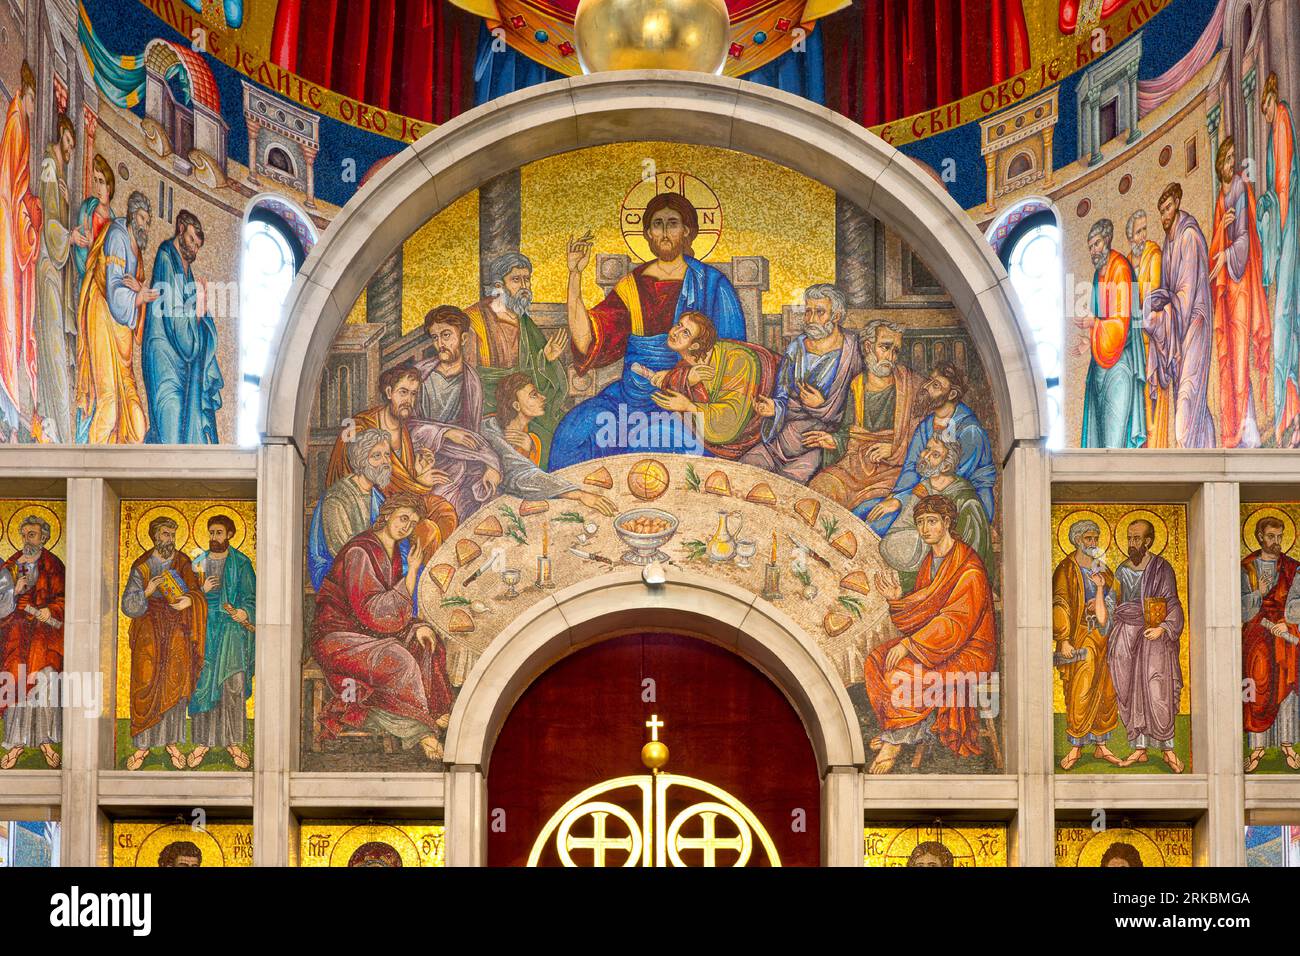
31,629
1270,643
386,668
923,683
1242,323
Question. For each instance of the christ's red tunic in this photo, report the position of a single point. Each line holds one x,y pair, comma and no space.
614,319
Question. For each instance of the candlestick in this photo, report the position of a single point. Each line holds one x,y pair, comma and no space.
772,582
544,572
774,547
546,538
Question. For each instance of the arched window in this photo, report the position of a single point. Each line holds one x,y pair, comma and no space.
1031,252
277,158
272,256
1020,165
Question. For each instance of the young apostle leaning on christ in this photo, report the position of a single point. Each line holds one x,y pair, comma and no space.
387,668
947,644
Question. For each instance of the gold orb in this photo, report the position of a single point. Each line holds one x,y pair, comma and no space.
654,754
652,35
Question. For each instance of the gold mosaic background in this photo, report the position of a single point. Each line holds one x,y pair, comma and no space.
1252,511
1169,845
766,210
970,845
1174,551
222,844
332,844
135,518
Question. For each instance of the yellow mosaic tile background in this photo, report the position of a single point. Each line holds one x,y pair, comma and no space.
334,844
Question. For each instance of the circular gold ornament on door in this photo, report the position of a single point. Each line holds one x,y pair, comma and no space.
652,35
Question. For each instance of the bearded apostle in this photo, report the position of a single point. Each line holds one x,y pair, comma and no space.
349,506
1179,321
871,442
812,390
218,708
1114,409
31,628
1083,597
1145,259
1241,319
1270,613
506,340
182,380
631,325
940,401
20,221
56,291
1280,239
413,472
110,321
947,639
169,619
902,547
716,381
1143,644
387,669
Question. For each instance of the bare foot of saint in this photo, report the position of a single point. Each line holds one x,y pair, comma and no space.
242,760
178,758
1070,759
136,760
885,758
1171,758
9,759
1255,757
51,756
196,757
431,747
1103,753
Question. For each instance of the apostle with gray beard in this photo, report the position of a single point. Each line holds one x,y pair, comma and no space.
349,506
902,548
164,599
507,340
31,629
813,387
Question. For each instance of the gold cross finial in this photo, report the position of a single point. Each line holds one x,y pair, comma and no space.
654,723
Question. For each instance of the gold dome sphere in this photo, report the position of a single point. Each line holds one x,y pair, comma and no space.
652,35
654,754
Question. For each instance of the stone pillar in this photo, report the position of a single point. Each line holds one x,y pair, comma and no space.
1213,116
855,242
1214,583
279,647
1026,677
384,298
1131,91
309,158
1049,174
254,127
499,225
842,817
1250,107
89,638
1092,103
465,815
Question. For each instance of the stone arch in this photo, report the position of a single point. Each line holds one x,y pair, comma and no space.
679,107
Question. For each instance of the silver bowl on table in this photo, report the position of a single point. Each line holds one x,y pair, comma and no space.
644,548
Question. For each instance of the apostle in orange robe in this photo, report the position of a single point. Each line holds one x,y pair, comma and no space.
922,684
20,220
414,473
1241,317
1146,261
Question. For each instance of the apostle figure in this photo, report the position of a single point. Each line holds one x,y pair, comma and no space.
1280,239
506,340
1145,259
1270,613
31,627
169,619
218,708
871,442
947,637
940,400
20,222
631,325
1241,319
350,505
182,381
1143,644
812,389
1114,403
1083,598
509,432
93,217
110,321
449,412
902,547
56,293
716,381
387,669
1178,319
414,472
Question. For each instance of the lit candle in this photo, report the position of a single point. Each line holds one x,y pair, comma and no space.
546,538
774,547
